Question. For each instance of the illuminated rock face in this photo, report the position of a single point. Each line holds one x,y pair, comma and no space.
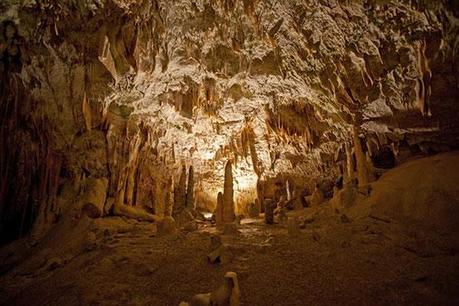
128,91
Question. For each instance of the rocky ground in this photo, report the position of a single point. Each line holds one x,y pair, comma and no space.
334,260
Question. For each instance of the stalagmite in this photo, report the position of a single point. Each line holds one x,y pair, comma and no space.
133,162
169,198
190,202
287,188
253,210
228,294
219,210
228,194
219,252
348,173
93,198
317,196
180,192
269,211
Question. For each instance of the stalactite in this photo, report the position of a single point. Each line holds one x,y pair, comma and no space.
106,58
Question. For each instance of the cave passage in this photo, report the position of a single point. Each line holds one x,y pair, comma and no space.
229,152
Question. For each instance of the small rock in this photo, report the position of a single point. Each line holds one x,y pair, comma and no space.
230,228
191,226
345,219
91,242
293,227
167,226
315,236
54,263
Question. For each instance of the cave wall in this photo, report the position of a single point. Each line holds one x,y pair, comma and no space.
129,91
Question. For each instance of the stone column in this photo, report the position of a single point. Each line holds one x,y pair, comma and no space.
219,210
228,195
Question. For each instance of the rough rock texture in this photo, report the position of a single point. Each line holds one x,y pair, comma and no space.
129,91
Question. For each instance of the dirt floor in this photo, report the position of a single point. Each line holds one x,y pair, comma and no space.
396,254
334,261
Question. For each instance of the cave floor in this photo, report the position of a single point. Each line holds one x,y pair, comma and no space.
334,261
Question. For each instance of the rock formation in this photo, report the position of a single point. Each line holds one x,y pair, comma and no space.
227,294
93,197
363,175
219,210
190,202
169,198
269,211
104,104
180,191
228,195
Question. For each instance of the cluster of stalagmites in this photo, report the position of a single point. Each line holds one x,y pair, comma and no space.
178,202
275,198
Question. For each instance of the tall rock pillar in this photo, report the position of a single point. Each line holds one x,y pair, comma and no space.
228,195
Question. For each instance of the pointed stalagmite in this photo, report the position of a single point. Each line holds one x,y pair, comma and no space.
219,210
180,191
190,189
228,193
